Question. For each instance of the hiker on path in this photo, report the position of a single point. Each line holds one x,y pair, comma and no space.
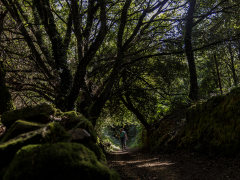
121,135
125,139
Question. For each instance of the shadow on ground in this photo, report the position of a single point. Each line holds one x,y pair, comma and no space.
141,165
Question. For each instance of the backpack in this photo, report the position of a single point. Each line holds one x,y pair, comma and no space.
122,134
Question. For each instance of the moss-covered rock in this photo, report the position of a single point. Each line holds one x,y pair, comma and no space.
82,122
39,113
58,161
51,133
87,125
20,127
79,135
58,112
72,122
70,114
214,125
54,132
9,148
98,152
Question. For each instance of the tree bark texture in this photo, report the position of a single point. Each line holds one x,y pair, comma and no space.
193,94
6,102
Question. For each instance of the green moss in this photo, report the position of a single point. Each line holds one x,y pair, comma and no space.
190,113
98,152
58,112
54,132
51,133
72,122
39,113
82,122
58,161
87,125
199,106
213,126
70,114
20,127
235,91
9,148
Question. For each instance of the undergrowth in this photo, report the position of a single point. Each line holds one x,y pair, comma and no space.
214,125
109,139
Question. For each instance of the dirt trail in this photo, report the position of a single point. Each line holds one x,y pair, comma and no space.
141,165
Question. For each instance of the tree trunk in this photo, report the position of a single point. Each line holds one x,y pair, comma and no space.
130,107
232,65
97,106
189,52
219,80
6,102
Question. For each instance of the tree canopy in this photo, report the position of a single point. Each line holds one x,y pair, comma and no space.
103,56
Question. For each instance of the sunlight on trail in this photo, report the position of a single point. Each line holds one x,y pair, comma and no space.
142,165
155,164
143,160
148,162
139,166
120,152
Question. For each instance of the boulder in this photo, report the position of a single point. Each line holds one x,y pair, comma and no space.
87,125
79,135
40,113
51,133
20,127
70,114
65,117
82,122
71,120
59,161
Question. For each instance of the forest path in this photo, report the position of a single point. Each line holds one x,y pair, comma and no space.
181,165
